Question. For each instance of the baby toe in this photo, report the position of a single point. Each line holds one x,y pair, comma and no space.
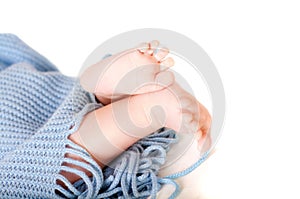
167,63
142,47
152,46
188,106
204,142
194,126
161,53
188,124
165,78
187,117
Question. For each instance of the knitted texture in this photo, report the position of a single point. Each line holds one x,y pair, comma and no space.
39,109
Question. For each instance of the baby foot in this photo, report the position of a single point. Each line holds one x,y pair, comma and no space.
134,71
174,108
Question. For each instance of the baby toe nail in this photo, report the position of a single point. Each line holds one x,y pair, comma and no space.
194,126
154,43
168,62
142,48
187,117
161,53
150,51
185,102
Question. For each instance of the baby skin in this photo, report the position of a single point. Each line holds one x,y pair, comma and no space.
140,96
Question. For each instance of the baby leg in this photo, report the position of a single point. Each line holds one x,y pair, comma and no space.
108,131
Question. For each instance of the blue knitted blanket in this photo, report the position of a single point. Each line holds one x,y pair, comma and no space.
39,109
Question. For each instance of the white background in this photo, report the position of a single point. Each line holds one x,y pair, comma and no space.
255,46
